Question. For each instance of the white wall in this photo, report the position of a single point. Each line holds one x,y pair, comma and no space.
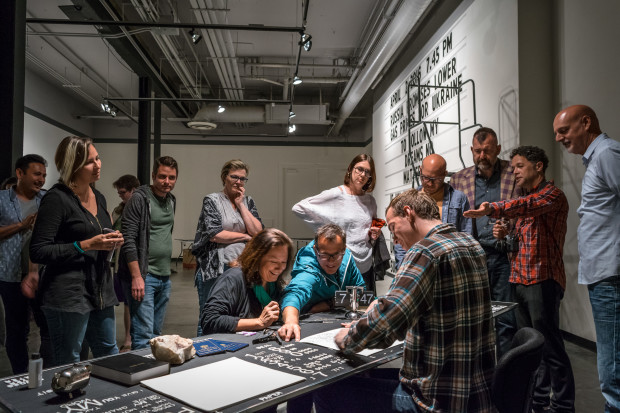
587,70
199,175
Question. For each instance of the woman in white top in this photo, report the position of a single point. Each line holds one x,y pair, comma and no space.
351,207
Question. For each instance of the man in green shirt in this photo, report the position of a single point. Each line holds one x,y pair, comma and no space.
144,268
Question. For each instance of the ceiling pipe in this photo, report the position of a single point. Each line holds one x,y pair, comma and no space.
114,23
404,21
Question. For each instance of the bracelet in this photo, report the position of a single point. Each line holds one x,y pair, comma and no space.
77,247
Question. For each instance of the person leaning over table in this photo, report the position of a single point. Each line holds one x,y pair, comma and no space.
321,267
440,305
351,207
69,239
246,296
228,220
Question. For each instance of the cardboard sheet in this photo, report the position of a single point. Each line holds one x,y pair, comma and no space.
221,384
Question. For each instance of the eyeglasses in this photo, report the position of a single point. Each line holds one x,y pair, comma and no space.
432,180
328,257
236,178
362,171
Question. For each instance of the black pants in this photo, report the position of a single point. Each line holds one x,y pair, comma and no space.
17,318
539,306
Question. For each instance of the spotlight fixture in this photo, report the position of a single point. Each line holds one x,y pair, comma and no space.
195,36
291,114
221,108
306,42
108,108
297,80
292,128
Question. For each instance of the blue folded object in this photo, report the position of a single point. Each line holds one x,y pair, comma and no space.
210,346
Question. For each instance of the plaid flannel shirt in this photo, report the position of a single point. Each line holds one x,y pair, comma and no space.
541,228
465,181
439,303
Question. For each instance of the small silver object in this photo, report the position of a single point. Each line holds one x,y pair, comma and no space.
72,380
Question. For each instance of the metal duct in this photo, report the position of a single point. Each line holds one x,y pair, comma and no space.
406,18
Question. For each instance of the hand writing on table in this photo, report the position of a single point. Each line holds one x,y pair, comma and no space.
290,330
270,314
342,333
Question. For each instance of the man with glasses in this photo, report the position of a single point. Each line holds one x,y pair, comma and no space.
451,202
491,179
321,267
439,304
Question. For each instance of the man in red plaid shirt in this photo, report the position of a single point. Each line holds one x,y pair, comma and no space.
537,270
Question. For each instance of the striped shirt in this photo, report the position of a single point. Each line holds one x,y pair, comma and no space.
541,228
439,303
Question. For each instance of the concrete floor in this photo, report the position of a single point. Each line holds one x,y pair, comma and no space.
182,319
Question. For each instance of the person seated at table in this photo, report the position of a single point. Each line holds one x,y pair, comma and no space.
321,267
439,304
246,296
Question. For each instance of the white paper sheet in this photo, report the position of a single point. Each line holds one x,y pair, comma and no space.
326,339
221,384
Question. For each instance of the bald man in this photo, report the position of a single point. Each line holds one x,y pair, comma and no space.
451,202
577,128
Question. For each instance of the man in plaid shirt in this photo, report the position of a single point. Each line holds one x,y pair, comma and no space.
439,303
490,179
537,270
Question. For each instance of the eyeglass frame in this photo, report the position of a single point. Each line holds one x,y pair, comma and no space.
241,179
364,171
328,257
431,179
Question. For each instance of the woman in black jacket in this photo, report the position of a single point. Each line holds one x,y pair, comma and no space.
246,296
71,239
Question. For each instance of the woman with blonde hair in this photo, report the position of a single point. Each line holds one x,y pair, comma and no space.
71,237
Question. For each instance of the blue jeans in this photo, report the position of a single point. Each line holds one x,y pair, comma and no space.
147,316
376,391
605,302
68,330
17,325
498,267
204,291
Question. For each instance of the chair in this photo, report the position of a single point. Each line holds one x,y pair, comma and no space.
513,379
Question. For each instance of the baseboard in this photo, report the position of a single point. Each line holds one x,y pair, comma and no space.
580,341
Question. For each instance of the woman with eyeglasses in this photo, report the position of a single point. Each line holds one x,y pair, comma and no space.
246,296
228,220
351,207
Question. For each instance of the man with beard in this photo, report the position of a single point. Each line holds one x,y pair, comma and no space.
490,180
144,268
18,211
538,277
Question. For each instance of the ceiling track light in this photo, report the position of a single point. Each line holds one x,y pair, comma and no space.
291,114
306,42
108,108
194,36
292,128
220,108
297,80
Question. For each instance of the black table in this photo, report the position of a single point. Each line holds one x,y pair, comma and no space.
319,365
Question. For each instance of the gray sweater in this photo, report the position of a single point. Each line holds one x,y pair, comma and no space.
136,223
